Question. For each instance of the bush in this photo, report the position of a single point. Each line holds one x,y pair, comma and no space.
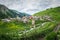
51,36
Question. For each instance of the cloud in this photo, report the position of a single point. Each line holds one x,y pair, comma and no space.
55,3
30,6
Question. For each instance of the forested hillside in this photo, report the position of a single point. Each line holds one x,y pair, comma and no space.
8,13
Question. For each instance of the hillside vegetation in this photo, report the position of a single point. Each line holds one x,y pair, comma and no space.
20,31
53,12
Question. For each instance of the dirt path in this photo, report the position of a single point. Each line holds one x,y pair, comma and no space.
57,28
41,39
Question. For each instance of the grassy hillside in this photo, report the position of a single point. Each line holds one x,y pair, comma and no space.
20,31
53,12
13,26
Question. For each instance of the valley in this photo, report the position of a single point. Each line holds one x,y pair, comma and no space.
44,25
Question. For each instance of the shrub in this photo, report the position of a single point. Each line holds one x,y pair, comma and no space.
51,36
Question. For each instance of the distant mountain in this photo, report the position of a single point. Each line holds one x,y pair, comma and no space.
53,12
6,12
20,14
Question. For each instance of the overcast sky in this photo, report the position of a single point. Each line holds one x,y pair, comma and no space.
30,6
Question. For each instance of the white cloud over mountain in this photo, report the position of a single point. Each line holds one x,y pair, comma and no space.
30,6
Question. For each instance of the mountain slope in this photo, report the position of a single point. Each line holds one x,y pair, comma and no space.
20,14
6,12
53,12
